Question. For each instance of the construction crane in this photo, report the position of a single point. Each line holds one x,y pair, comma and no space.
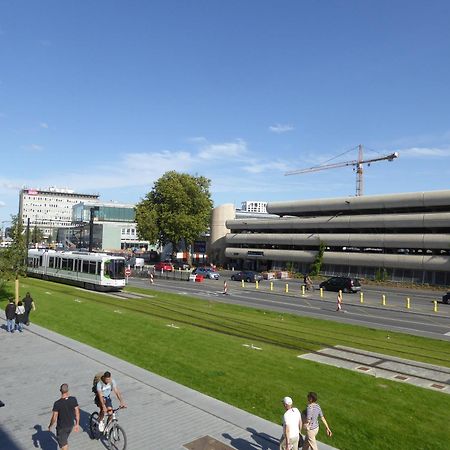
357,166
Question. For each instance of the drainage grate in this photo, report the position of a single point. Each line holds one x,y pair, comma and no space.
363,369
207,443
438,386
401,377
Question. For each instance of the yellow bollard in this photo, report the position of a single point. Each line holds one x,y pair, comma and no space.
321,292
242,283
303,289
435,309
287,288
271,285
408,303
256,284
383,300
361,297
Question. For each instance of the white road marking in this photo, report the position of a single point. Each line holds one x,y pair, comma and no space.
171,325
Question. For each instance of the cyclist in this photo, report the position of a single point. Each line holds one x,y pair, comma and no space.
308,282
105,386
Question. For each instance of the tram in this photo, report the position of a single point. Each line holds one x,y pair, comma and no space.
95,271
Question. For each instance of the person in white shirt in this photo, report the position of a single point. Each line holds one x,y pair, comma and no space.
292,424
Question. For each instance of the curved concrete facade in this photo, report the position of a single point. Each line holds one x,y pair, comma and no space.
418,262
345,205
413,220
220,216
428,241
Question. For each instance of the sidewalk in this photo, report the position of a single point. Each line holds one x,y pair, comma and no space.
161,414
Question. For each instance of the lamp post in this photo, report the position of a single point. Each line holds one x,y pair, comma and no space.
91,227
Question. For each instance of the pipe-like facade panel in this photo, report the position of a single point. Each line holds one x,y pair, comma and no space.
414,262
379,221
425,241
351,204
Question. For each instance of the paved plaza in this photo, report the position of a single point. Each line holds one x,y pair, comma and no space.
161,414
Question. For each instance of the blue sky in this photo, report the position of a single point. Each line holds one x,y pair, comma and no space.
105,96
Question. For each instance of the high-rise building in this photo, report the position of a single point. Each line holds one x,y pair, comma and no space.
49,209
251,206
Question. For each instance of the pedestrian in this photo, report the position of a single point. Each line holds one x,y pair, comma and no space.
20,316
66,414
10,312
340,300
313,412
28,302
292,423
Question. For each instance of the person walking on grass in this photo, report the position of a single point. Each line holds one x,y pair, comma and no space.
313,412
20,316
29,305
10,312
66,414
292,423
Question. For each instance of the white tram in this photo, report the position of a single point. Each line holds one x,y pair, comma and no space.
96,271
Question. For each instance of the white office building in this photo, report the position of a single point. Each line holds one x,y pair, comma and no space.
49,209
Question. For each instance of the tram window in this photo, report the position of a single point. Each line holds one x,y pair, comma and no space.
92,267
51,262
40,261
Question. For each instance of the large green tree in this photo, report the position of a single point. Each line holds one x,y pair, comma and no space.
177,209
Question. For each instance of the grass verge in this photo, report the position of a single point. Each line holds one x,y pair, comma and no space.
206,354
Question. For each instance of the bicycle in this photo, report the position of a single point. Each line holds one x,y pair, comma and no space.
309,287
114,434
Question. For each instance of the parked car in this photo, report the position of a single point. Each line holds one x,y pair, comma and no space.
166,266
247,275
207,272
446,298
343,284
181,265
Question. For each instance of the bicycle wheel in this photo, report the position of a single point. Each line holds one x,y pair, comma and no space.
117,438
93,426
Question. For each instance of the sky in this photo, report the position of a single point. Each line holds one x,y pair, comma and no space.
105,96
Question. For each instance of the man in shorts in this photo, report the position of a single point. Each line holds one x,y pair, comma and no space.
66,414
105,386
292,424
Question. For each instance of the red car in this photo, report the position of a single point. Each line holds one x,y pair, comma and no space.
166,266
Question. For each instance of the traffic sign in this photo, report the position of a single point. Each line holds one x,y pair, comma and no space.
127,272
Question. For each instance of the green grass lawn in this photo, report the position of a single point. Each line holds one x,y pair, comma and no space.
206,354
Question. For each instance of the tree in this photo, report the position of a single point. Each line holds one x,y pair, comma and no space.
13,259
316,266
177,209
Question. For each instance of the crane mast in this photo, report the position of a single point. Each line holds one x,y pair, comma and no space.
357,164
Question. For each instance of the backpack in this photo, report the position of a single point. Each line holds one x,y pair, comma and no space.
96,379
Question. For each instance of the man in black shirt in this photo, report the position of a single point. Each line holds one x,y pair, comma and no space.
28,302
66,414
10,312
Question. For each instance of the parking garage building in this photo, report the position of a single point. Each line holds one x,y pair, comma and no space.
401,237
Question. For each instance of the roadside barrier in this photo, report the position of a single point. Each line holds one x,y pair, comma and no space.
303,289
271,285
361,297
287,288
321,292
408,303
256,284
225,288
435,308
383,300
151,277
242,283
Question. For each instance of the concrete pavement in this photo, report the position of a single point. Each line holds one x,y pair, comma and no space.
161,414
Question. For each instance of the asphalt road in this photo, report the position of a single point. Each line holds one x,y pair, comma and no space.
420,319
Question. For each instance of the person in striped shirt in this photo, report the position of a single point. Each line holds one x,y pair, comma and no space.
313,412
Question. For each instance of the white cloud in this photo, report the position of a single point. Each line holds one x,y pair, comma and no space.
280,128
225,150
425,152
263,166
33,147
43,125
2,204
